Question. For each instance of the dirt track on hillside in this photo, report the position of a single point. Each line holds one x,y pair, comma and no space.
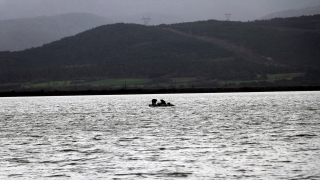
238,50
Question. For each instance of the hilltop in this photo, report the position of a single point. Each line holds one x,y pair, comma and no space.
203,53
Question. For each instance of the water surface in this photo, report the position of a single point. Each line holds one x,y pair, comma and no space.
274,135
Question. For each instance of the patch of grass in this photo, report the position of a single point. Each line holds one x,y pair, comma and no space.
104,82
270,78
184,79
238,82
287,76
118,82
9,84
140,82
50,84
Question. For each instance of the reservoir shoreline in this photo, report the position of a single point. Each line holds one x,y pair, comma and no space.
157,91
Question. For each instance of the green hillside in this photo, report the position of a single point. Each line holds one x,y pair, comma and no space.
119,50
291,41
211,53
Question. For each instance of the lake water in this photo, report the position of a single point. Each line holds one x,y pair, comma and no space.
271,135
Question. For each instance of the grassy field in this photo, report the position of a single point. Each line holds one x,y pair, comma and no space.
184,80
287,76
81,83
49,84
136,83
270,78
117,82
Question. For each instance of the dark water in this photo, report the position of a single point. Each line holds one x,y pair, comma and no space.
205,136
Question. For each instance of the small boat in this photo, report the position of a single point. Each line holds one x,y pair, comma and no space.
162,103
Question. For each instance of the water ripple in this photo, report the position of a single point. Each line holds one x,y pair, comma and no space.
205,136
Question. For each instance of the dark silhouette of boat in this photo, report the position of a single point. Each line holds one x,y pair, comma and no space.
162,103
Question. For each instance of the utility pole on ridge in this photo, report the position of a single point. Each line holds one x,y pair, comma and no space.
228,16
146,20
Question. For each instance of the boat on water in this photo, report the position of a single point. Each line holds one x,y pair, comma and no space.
162,103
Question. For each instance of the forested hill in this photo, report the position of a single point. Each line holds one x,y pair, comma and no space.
291,41
209,49
118,50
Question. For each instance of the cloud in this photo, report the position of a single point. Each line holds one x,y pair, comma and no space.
190,10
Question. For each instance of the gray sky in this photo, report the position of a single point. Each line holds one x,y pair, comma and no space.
127,10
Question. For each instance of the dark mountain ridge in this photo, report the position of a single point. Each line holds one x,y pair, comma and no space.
119,50
191,50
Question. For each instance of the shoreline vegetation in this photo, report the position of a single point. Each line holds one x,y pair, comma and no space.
159,91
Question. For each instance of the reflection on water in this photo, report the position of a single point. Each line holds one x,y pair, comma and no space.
205,136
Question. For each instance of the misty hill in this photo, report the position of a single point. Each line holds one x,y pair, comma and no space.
20,34
210,49
294,13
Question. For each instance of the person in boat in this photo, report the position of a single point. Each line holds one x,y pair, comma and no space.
162,102
154,102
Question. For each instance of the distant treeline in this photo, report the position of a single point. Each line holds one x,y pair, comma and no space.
159,91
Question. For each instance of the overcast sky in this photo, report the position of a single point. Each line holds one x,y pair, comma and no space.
188,10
